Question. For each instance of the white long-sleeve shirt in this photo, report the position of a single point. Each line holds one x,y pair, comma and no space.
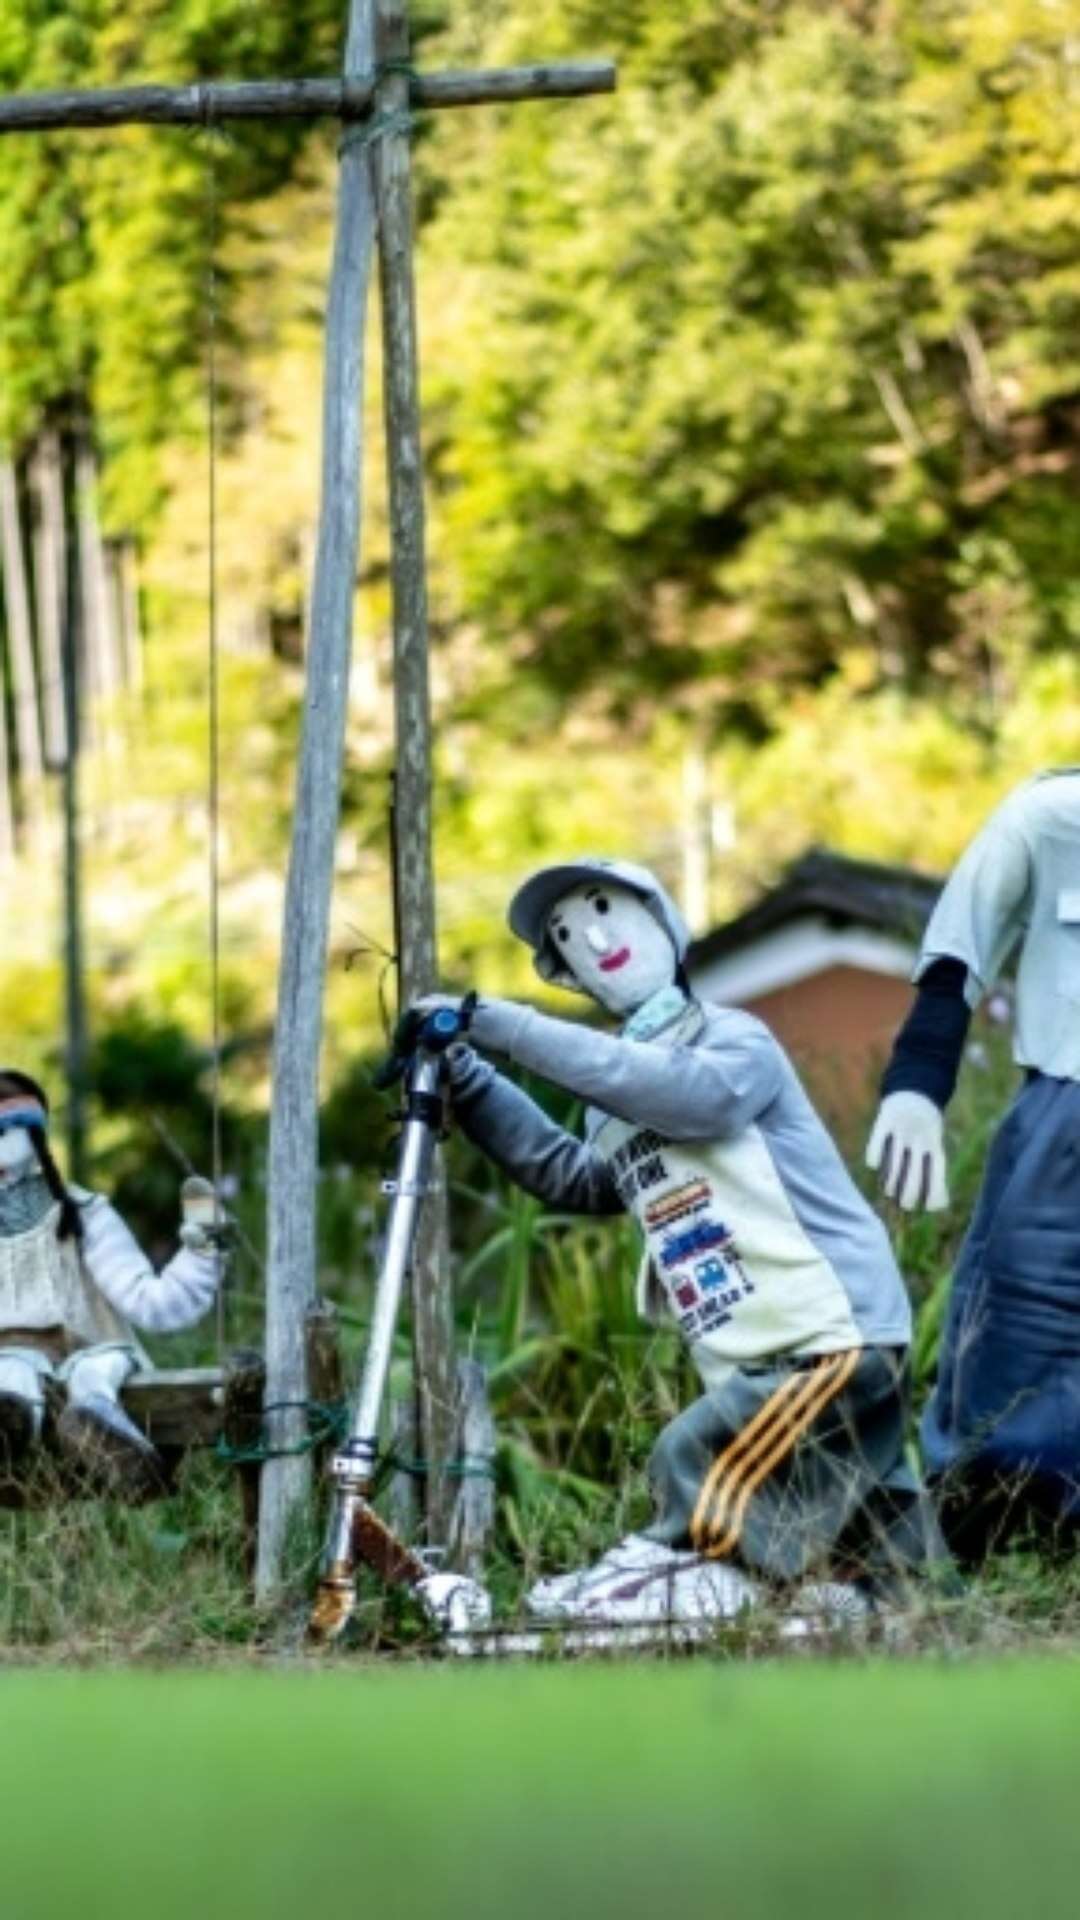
104,1289
162,1302
1018,883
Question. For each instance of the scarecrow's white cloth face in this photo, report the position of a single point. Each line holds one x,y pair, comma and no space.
610,942
16,1148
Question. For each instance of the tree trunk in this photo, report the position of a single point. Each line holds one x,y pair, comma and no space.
290,1280
50,567
433,1324
696,836
76,1047
100,654
7,809
123,592
20,643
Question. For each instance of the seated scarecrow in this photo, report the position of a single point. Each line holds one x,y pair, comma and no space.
73,1285
757,1246
1001,1432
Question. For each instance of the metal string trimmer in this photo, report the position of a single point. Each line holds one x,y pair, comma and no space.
356,1533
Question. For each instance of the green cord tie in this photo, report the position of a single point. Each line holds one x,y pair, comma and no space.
471,1466
327,1424
397,66
381,127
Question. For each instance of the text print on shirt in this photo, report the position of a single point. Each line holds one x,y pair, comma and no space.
638,1165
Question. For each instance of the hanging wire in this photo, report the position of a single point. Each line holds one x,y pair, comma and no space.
209,139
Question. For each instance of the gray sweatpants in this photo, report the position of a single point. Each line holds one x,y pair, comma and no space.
797,1466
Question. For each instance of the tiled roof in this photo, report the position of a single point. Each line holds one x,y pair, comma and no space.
860,893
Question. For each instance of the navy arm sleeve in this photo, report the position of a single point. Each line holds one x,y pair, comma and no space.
928,1049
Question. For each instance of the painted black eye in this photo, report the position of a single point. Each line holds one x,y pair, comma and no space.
563,934
602,904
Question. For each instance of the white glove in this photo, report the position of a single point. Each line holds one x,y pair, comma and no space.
907,1145
204,1225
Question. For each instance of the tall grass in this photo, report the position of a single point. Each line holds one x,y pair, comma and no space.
580,1388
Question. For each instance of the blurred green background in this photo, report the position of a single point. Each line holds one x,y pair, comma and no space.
906,1793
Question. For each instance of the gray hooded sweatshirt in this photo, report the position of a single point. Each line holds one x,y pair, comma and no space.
757,1241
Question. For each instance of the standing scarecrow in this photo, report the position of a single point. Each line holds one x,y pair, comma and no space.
73,1285
1002,1429
757,1245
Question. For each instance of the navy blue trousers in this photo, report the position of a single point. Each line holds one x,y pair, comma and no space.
1001,1432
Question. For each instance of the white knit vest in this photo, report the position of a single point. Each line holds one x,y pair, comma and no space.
44,1283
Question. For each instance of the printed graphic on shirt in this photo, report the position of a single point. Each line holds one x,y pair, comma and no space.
679,1204
703,1296
638,1165
707,1236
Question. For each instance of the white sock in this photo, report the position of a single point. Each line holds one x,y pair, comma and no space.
101,1370
23,1373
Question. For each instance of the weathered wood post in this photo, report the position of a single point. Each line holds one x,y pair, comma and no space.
290,1276
434,1369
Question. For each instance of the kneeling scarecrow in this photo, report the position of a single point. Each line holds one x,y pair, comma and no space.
757,1245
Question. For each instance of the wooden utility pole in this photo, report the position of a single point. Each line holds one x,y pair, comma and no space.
291,1265
372,99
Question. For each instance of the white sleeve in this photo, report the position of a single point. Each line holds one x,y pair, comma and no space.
984,907
154,1302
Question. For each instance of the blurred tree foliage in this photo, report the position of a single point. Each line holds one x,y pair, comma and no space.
106,239
752,404
773,360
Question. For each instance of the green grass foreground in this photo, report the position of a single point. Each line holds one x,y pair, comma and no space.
644,1790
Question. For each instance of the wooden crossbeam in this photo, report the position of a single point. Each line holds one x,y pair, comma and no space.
208,103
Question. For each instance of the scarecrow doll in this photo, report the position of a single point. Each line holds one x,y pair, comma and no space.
757,1245
1001,1432
73,1285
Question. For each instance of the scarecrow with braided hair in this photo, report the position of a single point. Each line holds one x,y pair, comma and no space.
74,1284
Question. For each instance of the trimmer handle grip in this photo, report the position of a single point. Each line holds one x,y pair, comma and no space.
426,1032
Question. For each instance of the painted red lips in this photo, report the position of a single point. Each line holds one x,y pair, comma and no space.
612,961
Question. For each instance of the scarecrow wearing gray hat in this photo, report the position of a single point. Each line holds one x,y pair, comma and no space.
756,1244
1001,1431
74,1284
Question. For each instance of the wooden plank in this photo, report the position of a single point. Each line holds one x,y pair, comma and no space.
432,1315
290,1274
552,80
209,102
177,1408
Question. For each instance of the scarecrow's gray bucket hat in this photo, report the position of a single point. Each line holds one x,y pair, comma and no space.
534,899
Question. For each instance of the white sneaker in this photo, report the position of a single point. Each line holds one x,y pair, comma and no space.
561,1595
667,1587
704,1591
